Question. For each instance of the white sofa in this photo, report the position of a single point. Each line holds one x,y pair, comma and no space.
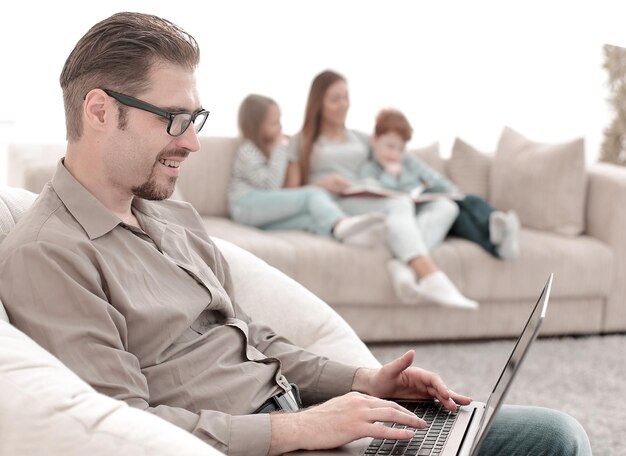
573,218
47,410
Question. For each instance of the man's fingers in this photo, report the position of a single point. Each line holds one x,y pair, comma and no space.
392,415
377,404
380,431
449,399
400,364
390,411
460,399
451,403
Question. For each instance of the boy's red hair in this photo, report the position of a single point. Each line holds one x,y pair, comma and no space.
392,120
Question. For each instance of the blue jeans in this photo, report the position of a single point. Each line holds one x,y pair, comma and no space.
472,222
534,431
304,208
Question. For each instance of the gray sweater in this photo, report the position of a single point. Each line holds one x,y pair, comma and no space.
252,170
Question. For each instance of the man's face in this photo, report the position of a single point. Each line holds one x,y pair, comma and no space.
388,148
143,159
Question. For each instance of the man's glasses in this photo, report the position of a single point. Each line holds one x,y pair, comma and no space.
178,121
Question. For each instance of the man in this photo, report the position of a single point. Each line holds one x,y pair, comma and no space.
129,291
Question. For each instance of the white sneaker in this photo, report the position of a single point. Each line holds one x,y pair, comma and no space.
403,282
438,288
367,230
508,248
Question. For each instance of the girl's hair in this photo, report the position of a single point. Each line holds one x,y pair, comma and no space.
313,118
252,113
392,120
118,54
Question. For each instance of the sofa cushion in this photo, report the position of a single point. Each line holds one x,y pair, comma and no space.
204,182
50,410
337,273
29,164
579,266
469,168
13,202
264,244
544,183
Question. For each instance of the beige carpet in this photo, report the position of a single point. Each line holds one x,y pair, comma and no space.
585,377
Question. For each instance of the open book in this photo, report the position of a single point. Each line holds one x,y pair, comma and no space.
367,190
427,197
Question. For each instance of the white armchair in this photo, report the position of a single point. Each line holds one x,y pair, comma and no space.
48,410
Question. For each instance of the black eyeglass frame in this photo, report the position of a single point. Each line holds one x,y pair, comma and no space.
133,102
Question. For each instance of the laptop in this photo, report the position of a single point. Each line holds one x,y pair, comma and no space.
457,433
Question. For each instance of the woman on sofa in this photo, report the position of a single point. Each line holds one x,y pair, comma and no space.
327,154
256,196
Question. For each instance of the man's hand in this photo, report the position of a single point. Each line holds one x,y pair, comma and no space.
399,380
339,421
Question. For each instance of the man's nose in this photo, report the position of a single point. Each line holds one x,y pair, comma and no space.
189,140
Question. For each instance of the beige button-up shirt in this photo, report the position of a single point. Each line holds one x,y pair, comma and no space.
148,316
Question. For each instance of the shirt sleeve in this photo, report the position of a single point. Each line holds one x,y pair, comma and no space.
318,378
89,336
372,170
433,181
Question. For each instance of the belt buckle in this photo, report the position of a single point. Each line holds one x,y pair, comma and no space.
287,401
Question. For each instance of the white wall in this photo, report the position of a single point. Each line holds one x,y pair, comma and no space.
456,68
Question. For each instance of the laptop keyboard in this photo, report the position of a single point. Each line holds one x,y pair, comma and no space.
426,442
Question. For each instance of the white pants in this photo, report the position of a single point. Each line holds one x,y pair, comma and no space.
414,230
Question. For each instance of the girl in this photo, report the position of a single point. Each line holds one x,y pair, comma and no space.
327,154
256,196
495,231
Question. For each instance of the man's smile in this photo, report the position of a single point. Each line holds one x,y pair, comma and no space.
169,162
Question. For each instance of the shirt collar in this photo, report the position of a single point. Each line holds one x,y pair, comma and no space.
92,215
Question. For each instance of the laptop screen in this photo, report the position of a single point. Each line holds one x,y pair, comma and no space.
517,355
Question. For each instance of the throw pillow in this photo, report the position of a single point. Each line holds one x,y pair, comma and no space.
430,155
544,183
469,168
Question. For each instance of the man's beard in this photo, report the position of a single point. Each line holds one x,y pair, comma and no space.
150,189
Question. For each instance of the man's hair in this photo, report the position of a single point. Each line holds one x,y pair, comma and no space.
252,113
313,118
393,121
118,54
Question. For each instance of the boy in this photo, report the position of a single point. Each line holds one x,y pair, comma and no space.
495,231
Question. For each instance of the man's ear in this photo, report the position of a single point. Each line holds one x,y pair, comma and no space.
96,109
